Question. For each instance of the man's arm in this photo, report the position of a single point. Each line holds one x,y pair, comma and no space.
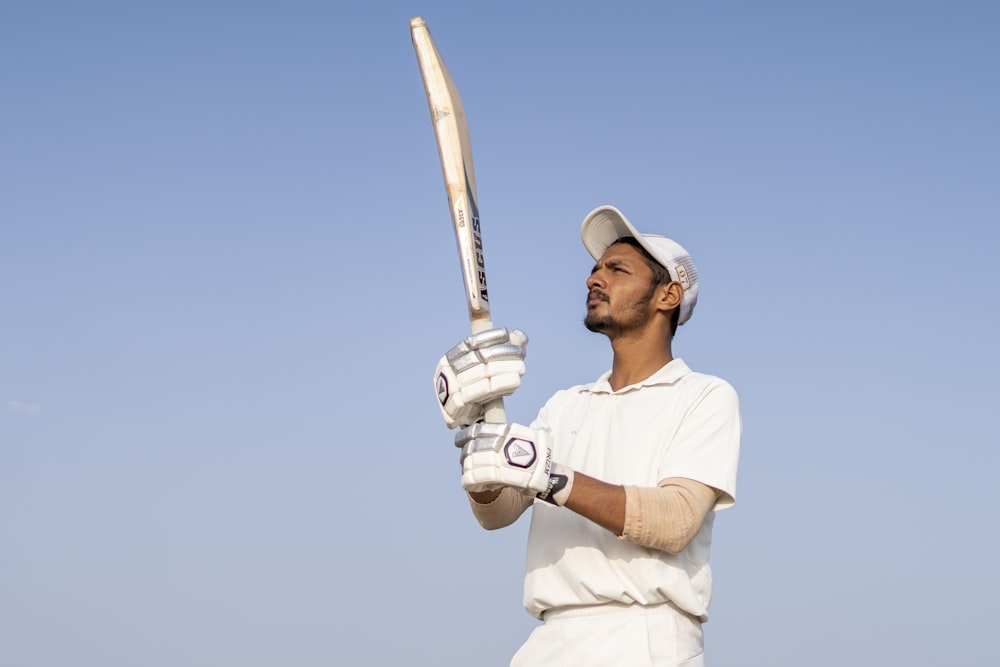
666,517
498,508
602,503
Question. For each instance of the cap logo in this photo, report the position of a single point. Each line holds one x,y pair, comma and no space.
682,276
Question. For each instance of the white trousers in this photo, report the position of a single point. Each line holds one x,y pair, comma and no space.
614,635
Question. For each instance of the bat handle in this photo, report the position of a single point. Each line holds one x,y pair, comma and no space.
493,411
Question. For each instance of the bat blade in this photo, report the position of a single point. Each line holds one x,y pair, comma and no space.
451,130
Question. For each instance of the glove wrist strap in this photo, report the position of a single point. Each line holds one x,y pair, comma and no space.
560,485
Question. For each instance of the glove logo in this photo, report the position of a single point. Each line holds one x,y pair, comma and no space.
442,388
519,453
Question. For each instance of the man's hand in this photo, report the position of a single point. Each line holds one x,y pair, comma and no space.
497,455
484,366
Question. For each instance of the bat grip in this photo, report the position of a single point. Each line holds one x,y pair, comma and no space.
493,411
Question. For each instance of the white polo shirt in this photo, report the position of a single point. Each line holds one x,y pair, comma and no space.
676,423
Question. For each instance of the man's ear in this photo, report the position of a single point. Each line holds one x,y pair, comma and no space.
669,296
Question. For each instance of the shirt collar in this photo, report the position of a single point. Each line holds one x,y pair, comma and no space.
670,373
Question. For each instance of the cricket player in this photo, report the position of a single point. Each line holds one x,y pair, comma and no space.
623,475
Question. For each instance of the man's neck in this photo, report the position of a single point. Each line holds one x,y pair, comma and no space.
636,359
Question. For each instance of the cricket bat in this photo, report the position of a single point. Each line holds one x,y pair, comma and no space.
455,151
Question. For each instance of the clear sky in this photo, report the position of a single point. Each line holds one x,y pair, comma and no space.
228,272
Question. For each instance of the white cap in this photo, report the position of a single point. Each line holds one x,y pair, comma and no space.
606,224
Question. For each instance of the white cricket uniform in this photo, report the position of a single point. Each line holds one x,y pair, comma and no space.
676,423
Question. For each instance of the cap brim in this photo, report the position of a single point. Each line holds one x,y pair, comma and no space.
605,225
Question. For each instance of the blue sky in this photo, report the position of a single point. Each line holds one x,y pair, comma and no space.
229,272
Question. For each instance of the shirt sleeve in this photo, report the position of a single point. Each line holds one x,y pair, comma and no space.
503,511
706,446
668,516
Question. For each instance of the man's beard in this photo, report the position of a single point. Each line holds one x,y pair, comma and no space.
633,317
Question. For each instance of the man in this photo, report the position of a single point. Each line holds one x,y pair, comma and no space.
623,475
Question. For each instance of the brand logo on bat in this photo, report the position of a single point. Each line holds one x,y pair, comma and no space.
463,218
477,242
520,453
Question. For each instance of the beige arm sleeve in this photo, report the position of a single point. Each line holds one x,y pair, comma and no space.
668,516
503,511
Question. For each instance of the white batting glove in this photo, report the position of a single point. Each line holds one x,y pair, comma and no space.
482,367
496,455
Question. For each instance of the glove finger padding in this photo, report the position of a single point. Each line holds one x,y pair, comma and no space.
484,366
504,455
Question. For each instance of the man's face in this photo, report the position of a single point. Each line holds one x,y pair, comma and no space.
619,292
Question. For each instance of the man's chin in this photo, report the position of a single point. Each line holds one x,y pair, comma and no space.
598,324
